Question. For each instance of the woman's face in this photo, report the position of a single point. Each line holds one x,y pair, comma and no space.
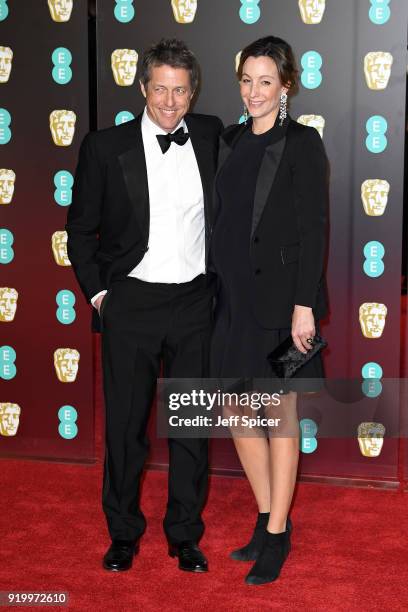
260,86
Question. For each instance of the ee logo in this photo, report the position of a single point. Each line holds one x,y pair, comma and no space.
376,141
65,301
6,250
372,373
4,10
63,181
379,12
250,11
5,132
308,431
124,11
8,356
123,117
372,370
374,252
61,58
67,428
311,63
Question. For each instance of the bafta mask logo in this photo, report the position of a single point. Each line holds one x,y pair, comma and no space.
6,59
374,195
377,69
7,181
372,319
124,66
59,248
8,304
371,438
316,121
184,11
9,418
60,10
237,60
312,11
66,363
62,126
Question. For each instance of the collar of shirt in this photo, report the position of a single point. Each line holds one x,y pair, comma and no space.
151,130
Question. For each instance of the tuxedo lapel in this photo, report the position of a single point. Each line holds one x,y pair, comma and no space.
133,164
267,173
204,153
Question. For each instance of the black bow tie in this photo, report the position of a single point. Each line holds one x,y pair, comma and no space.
180,137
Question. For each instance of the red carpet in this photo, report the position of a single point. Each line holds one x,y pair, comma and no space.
350,549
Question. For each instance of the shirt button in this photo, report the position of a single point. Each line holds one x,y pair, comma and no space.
256,239
257,271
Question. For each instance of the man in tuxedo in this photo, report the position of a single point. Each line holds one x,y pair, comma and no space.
138,233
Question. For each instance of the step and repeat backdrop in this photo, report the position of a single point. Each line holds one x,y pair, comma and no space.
352,61
46,391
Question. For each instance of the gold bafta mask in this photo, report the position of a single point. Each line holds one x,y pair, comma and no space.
9,418
8,304
62,126
124,66
372,319
316,121
237,60
60,10
6,59
374,195
371,438
184,10
7,181
66,363
59,248
377,69
312,11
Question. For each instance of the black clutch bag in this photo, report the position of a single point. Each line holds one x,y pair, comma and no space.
286,359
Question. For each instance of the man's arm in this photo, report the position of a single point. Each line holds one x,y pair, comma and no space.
83,220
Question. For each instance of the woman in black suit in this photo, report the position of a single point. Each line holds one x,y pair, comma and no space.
268,250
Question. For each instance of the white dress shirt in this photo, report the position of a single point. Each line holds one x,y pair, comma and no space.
176,252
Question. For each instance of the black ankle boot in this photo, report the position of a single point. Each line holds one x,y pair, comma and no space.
271,558
251,551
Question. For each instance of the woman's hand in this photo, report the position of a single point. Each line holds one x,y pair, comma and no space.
303,327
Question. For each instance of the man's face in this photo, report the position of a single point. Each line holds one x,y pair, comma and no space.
316,121
7,180
8,304
66,363
372,320
62,125
374,194
312,11
9,419
168,95
60,10
377,69
184,10
6,58
59,248
124,66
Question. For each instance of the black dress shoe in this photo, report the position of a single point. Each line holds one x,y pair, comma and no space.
251,551
190,557
119,556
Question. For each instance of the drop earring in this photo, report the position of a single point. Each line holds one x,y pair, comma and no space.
246,115
283,108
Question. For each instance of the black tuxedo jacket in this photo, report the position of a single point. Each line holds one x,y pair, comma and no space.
288,233
108,220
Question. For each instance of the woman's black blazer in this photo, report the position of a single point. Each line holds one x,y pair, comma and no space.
289,223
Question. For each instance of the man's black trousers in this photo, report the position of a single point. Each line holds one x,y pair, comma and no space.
144,325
